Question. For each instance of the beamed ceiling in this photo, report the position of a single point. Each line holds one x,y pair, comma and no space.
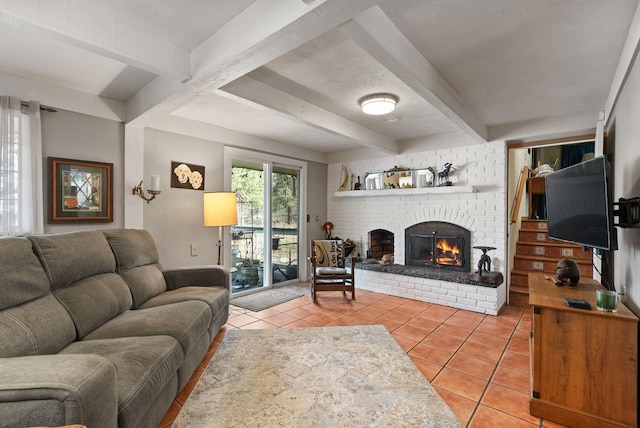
292,71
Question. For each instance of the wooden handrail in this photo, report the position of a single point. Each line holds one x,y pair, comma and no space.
515,208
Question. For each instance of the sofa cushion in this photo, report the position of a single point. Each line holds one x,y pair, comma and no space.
144,366
58,390
21,275
137,261
27,307
185,321
216,297
70,257
81,268
41,326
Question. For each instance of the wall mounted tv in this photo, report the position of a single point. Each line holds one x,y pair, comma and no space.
579,205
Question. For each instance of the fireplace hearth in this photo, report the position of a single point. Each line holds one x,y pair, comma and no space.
440,245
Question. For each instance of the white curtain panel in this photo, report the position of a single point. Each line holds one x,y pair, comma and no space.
21,180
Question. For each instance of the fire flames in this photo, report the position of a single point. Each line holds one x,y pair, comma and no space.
449,253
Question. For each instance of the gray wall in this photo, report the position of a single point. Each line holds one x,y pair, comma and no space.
624,129
79,136
174,218
316,199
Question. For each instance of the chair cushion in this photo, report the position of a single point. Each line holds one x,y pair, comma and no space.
328,252
330,271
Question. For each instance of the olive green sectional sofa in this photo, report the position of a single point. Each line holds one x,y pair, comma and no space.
94,331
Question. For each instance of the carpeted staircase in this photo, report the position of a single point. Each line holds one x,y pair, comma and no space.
535,252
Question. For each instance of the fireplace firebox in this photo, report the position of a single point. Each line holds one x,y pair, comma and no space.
439,245
380,243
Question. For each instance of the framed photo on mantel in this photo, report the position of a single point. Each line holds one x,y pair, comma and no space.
80,191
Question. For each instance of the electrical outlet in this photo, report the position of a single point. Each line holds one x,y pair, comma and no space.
194,250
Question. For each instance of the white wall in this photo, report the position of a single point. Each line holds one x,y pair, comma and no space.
624,126
517,159
483,212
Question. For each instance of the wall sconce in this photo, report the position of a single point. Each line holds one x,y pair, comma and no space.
153,191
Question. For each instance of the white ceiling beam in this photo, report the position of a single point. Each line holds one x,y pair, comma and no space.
229,137
378,36
265,96
74,23
61,98
262,33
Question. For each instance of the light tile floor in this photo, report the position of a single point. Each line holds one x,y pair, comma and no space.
479,364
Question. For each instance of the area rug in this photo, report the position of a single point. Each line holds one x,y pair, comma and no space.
313,377
265,299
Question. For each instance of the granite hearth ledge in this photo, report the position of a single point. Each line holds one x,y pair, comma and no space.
431,273
434,285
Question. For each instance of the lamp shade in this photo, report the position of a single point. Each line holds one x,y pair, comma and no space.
220,209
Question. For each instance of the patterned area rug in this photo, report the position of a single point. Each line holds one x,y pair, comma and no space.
313,377
265,299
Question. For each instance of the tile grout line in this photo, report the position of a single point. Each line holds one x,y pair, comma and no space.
495,369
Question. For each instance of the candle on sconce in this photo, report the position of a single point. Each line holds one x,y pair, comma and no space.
155,182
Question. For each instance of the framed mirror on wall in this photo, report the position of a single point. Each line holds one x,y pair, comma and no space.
80,191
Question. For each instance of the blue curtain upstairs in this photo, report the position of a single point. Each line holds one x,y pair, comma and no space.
573,153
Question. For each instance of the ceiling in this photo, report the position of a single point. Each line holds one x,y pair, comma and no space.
292,71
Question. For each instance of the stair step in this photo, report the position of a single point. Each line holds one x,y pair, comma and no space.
519,289
548,264
520,277
518,299
536,252
555,249
534,236
538,225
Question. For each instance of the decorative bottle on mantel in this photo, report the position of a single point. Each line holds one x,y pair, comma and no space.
357,186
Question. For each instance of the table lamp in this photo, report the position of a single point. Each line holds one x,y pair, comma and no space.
220,210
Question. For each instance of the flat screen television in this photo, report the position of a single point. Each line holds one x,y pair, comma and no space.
579,205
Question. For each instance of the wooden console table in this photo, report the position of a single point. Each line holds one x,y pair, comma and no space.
584,363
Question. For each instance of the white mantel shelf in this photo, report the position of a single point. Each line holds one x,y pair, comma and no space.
444,190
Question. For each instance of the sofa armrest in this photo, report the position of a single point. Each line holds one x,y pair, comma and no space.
202,276
55,390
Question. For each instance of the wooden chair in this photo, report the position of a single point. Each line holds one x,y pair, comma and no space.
328,269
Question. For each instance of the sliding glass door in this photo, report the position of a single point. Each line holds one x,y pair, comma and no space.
285,210
265,244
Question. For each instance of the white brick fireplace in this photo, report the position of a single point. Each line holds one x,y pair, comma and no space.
482,211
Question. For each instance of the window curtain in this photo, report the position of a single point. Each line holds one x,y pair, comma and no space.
573,153
21,192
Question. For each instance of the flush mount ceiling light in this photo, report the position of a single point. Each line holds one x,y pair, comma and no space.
377,104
